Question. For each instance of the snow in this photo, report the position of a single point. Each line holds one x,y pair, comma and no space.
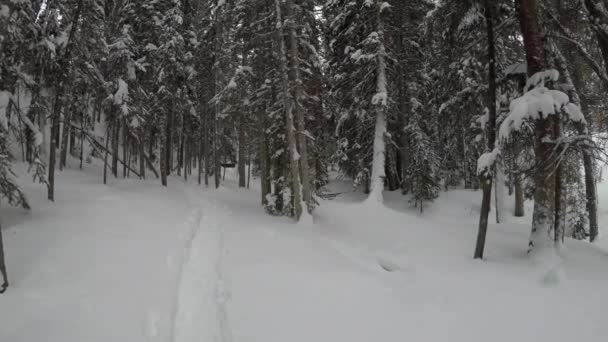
5,98
5,11
486,162
538,103
122,93
134,261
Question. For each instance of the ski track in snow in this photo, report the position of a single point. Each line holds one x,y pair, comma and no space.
200,312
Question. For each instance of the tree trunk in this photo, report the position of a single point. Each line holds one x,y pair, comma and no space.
298,111
57,106
164,144
379,149
142,157
65,134
125,147
590,191
293,157
242,152
105,156
599,20
115,145
543,220
264,159
491,134
519,196
3,265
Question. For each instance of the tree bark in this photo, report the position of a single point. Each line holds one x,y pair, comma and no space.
242,151
599,20
164,159
491,133
3,265
379,147
543,220
293,157
298,111
519,196
56,115
590,190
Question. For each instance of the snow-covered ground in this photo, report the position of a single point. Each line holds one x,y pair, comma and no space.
132,261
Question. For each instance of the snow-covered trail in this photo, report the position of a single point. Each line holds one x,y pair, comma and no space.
201,295
102,263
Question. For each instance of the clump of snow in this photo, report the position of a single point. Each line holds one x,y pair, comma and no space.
4,11
539,103
122,93
486,161
5,98
121,96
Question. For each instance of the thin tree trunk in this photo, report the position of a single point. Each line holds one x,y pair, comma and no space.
206,147
105,157
125,147
115,144
142,157
65,133
519,196
164,153
3,265
242,151
82,135
491,134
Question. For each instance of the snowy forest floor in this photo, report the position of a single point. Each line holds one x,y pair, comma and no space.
132,261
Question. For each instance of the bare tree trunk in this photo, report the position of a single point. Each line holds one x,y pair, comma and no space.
142,156
242,151
105,157
115,144
164,145
3,265
199,150
491,134
65,133
125,147
519,196
82,137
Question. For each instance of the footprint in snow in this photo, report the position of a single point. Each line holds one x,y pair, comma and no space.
153,320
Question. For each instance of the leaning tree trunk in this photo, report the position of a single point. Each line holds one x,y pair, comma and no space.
543,220
3,265
486,182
